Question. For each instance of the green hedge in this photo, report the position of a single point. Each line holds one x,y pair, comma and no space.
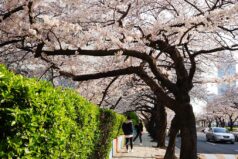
40,121
104,144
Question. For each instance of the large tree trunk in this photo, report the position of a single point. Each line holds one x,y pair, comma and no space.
217,123
170,151
231,123
151,124
223,124
158,124
187,126
161,125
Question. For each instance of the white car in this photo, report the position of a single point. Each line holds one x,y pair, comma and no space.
219,134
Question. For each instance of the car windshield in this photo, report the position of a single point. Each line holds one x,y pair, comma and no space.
220,130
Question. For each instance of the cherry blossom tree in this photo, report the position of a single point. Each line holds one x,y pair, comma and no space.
159,41
223,108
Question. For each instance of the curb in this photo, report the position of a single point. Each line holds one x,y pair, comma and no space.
217,156
117,145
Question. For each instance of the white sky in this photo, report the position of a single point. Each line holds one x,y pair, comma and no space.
212,88
198,106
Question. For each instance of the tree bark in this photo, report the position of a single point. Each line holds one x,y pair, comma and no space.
151,124
158,124
170,151
161,125
187,126
217,123
231,123
223,124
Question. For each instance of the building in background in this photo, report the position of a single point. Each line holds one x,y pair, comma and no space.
226,70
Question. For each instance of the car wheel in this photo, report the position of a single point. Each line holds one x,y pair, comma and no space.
232,142
213,139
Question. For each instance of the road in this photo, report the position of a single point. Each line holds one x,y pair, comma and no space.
212,148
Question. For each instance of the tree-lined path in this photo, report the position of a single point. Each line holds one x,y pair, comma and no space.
145,151
206,150
144,56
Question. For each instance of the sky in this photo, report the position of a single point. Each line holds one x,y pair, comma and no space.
212,88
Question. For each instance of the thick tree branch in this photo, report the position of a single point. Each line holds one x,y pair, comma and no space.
124,71
158,91
8,14
10,42
132,53
39,49
31,19
193,63
181,72
169,102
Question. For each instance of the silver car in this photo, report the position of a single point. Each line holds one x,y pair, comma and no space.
219,134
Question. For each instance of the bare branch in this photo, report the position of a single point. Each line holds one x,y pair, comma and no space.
231,48
189,29
124,14
105,91
228,30
114,106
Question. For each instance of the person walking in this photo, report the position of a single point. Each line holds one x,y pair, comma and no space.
127,128
139,130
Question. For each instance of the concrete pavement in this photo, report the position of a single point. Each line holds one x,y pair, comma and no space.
145,151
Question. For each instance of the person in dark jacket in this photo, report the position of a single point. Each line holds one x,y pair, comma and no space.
139,130
127,128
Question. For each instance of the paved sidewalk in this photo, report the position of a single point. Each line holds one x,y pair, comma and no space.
148,151
145,151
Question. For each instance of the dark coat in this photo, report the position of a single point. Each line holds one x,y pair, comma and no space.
139,127
127,128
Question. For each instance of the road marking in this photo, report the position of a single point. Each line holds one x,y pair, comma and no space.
218,156
230,156
211,143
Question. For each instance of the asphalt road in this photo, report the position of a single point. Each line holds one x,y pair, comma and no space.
212,148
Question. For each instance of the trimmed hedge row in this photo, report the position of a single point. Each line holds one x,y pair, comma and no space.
103,146
40,121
